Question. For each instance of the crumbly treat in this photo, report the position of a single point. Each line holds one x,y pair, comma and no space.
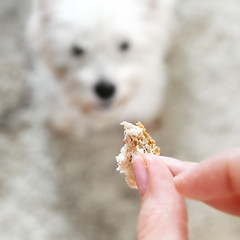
136,141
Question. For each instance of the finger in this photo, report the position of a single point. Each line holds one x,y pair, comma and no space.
215,178
163,212
229,205
176,166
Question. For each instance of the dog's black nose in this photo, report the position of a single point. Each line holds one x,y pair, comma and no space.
104,89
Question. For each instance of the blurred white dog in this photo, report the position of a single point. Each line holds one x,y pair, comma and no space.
99,62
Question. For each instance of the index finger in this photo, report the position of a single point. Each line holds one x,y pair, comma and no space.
217,177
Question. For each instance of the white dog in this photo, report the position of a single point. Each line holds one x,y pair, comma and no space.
99,62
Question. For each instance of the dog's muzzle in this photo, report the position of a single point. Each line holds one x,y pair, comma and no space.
104,90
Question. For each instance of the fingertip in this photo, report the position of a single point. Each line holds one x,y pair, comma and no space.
152,161
176,166
153,175
147,170
136,159
179,182
160,178
140,173
139,158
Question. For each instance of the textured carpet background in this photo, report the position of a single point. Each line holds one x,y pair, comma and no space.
54,188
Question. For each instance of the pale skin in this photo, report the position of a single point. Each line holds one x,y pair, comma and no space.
164,182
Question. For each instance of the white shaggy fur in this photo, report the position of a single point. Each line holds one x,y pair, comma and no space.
77,44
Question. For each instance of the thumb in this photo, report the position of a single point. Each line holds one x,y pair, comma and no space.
163,212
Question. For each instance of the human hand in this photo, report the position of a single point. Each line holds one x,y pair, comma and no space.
215,181
163,211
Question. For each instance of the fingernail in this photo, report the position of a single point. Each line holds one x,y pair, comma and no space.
141,175
178,180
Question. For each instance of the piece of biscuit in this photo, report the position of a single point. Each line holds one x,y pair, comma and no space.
136,141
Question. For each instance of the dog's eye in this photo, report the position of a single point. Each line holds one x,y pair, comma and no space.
124,46
77,51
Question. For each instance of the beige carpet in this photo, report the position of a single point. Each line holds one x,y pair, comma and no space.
64,189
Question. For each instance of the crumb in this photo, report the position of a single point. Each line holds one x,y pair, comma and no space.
136,141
